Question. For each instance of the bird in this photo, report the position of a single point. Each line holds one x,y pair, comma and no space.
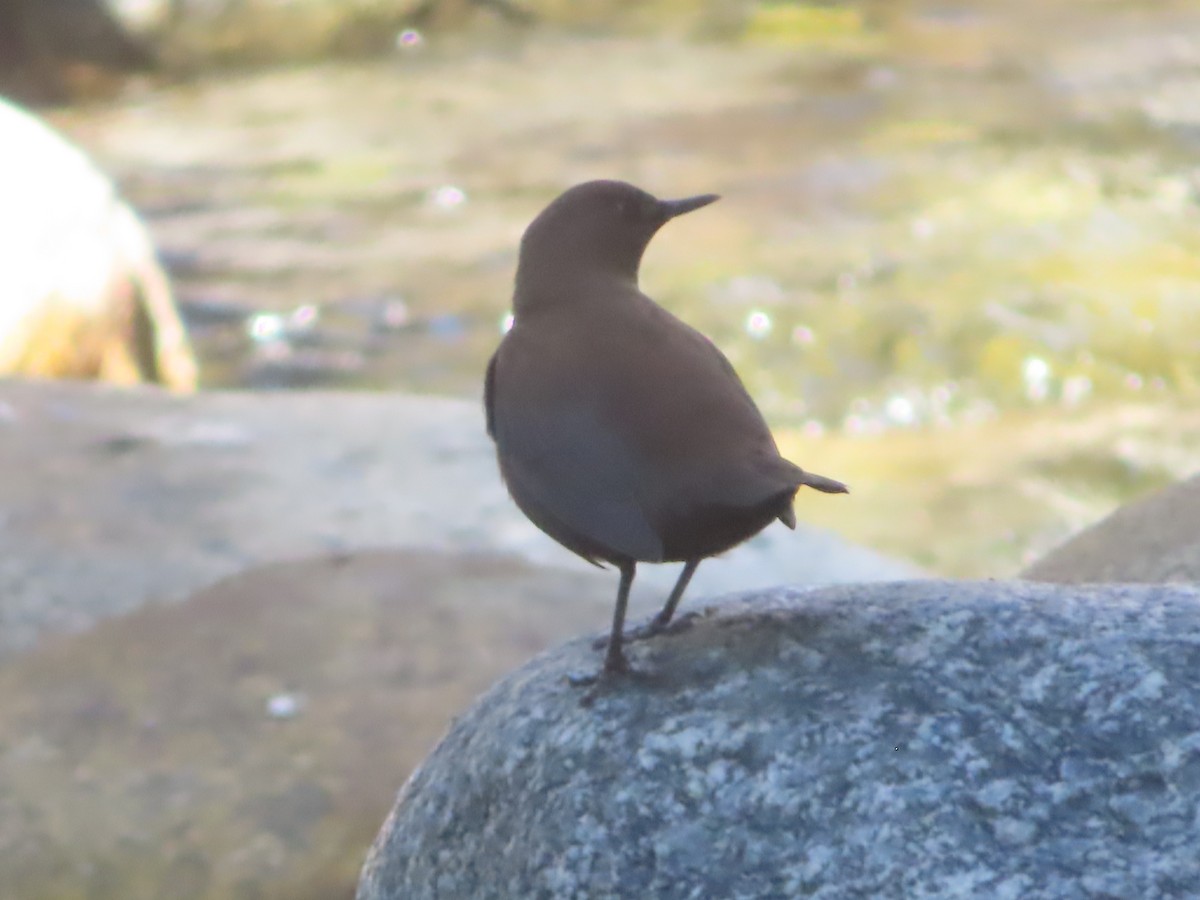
620,431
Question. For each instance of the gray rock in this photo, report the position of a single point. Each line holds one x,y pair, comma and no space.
244,743
53,50
1154,539
84,295
923,739
110,499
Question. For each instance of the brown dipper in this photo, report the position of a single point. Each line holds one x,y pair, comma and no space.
622,432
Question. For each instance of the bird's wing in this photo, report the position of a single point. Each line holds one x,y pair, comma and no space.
489,397
704,422
576,479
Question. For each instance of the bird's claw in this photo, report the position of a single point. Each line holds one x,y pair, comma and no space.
651,629
615,667
640,633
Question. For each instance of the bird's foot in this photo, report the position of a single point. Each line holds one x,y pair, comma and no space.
653,628
612,674
640,633
616,663
601,642
616,666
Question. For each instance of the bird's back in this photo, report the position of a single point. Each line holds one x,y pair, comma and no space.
631,431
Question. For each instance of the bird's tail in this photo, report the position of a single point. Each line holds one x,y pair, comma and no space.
808,479
823,484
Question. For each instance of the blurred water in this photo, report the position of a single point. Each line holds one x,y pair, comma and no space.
930,196
935,214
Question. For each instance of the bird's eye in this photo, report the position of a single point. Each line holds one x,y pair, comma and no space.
634,209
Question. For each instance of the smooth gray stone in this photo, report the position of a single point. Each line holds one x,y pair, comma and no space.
920,739
111,499
1156,538
245,742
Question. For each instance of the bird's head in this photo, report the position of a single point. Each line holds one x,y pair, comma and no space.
595,229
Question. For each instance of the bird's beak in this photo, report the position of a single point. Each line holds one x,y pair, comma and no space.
673,208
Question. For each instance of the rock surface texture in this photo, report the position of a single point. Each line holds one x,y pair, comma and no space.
921,739
1155,539
110,499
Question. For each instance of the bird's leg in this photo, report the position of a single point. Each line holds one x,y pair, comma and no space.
614,660
659,622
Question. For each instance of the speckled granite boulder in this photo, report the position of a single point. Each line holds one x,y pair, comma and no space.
1156,538
921,739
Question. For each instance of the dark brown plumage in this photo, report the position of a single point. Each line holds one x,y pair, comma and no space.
622,432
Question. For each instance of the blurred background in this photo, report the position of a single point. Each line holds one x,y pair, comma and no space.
956,260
